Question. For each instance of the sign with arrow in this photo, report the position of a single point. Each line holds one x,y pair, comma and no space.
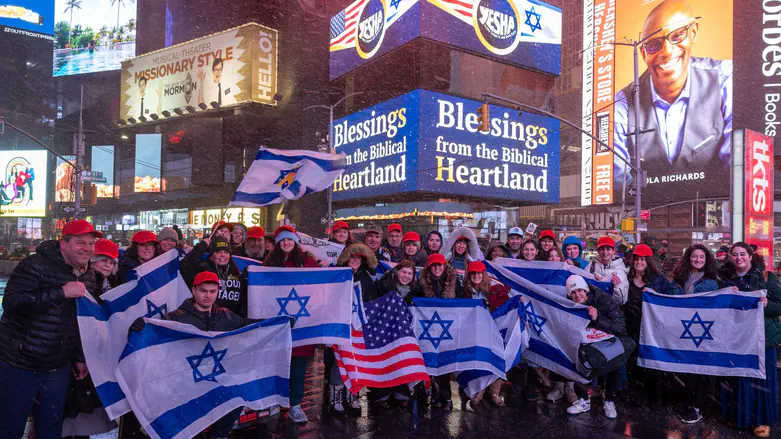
70,209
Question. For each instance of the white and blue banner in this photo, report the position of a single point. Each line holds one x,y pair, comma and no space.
326,252
320,300
719,333
551,275
555,324
157,290
358,315
180,380
457,335
278,175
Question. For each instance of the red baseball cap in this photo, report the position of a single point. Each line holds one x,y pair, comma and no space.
219,224
436,258
206,276
394,228
410,236
605,241
80,227
256,232
144,237
643,250
547,234
340,225
476,267
106,248
284,229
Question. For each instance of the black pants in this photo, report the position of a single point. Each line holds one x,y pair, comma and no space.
692,390
612,381
445,393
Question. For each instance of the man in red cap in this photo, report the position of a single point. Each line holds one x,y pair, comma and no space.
253,245
609,268
39,335
393,244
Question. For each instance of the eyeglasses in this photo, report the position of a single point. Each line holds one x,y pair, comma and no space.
675,37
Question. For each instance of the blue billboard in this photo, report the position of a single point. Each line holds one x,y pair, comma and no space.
30,15
429,142
521,32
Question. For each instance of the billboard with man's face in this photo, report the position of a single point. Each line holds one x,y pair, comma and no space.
684,115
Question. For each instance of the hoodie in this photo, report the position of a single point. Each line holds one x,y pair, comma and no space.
459,264
425,242
579,261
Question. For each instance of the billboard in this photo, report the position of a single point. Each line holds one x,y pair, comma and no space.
33,17
147,177
685,109
23,185
65,180
222,70
93,35
758,204
429,142
103,163
522,32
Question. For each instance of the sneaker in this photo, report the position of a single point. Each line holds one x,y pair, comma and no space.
297,415
354,401
690,415
580,406
610,409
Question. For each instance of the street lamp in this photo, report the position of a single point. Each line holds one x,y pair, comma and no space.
330,109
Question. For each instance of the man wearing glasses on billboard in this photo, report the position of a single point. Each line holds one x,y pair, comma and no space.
686,101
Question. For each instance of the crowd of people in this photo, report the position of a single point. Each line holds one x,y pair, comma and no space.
41,356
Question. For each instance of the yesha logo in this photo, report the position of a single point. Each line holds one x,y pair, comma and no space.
496,25
371,28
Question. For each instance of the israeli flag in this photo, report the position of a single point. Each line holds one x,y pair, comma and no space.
278,175
540,22
509,319
358,316
456,335
242,262
180,380
157,290
320,300
551,275
719,333
555,324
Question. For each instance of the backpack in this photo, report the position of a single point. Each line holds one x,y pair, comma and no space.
603,357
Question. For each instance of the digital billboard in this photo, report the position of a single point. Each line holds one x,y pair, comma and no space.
429,142
23,185
93,35
65,179
147,165
225,69
34,16
685,100
522,32
103,163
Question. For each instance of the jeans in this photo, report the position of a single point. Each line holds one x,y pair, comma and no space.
297,378
25,391
224,425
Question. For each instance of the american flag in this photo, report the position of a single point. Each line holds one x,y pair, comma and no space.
456,7
384,352
344,25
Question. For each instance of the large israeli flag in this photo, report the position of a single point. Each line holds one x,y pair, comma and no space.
179,380
540,22
456,335
319,299
551,275
555,324
157,290
719,333
287,174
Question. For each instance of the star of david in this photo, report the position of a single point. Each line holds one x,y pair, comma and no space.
535,320
503,332
395,3
293,297
436,320
697,320
153,310
217,368
535,25
355,308
286,177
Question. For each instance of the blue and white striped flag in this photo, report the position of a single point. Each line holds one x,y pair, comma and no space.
180,380
555,324
278,175
319,299
551,275
456,335
157,290
719,333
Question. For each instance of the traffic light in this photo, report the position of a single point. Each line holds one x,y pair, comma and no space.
628,225
485,118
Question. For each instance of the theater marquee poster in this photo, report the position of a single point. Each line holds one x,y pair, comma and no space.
685,117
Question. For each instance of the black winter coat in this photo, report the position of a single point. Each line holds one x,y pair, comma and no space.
610,318
125,265
388,283
219,319
233,283
39,330
368,289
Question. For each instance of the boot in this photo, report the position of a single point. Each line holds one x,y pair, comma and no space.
556,393
494,391
354,401
569,392
335,397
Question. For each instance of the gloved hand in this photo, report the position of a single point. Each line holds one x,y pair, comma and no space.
137,326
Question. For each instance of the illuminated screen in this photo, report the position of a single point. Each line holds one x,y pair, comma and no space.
27,15
147,166
65,179
23,186
93,35
103,162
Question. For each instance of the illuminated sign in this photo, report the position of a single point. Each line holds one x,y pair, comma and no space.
522,32
429,142
758,206
249,216
23,186
65,179
28,17
103,162
147,165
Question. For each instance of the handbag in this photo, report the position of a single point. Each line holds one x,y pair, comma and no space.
603,357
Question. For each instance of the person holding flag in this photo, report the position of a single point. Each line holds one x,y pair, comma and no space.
401,279
607,267
547,241
412,251
144,248
340,233
104,263
373,239
233,284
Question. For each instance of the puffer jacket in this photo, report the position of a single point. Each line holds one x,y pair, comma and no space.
38,329
609,318
606,273
570,240
755,280
388,283
444,288
219,319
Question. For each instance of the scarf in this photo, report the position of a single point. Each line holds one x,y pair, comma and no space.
693,279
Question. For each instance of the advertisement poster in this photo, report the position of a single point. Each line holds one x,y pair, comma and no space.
685,110
103,163
148,159
23,185
221,70
758,207
522,32
65,179
35,17
93,35
429,142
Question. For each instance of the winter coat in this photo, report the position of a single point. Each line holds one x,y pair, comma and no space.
491,248
606,273
365,272
609,318
473,252
419,258
219,319
38,329
428,251
388,283
579,261
444,288
233,283
126,264
633,308
104,284
395,253
755,280
702,285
